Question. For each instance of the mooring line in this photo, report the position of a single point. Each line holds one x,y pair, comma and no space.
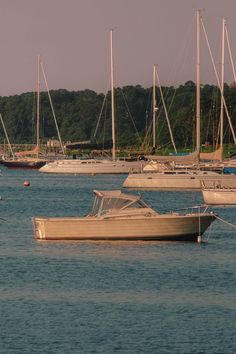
224,221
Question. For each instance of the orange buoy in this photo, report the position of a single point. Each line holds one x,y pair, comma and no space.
26,183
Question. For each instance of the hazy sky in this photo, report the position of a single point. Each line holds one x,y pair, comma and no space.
72,37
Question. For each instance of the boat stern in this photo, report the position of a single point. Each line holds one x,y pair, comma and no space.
38,228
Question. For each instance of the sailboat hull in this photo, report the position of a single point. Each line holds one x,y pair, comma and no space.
177,181
91,166
23,164
219,196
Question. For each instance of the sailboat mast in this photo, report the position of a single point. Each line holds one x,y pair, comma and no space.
222,84
154,107
198,87
38,101
112,98
219,83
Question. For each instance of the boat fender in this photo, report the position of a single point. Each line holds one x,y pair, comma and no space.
199,239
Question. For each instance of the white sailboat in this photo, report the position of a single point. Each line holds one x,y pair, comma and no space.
188,159
181,178
177,179
97,166
28,159
33,159
217,155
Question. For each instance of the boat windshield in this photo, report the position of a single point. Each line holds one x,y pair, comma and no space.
103,205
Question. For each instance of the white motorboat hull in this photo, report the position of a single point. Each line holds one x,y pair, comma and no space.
165,181
162,227
219,196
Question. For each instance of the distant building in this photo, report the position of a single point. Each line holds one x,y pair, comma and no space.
53,145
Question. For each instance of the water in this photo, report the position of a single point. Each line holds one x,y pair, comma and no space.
110,297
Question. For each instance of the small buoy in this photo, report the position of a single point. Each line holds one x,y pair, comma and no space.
199,239
26,183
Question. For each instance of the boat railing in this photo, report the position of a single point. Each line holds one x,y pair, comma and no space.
215,185
200,209
136,170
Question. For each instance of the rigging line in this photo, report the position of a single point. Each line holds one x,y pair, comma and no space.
149,127
166,113
172,99
182,56
130,115
100,115
8,141
148,130
218,81
147,118
230,53
103,104
146,137
33,115
225,222
53,113
209,233
148,101
104,126
166,95
215,117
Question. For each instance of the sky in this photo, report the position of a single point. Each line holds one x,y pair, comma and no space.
72,37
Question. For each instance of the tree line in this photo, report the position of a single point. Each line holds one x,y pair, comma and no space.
86,115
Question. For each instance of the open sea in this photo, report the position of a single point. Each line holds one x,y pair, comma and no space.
110,297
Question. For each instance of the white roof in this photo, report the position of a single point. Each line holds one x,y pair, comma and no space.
116,194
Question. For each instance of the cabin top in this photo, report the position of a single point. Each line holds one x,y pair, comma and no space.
104,201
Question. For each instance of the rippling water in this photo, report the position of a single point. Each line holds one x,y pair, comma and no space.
110,297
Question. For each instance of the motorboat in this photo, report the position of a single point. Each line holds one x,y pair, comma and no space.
121,216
